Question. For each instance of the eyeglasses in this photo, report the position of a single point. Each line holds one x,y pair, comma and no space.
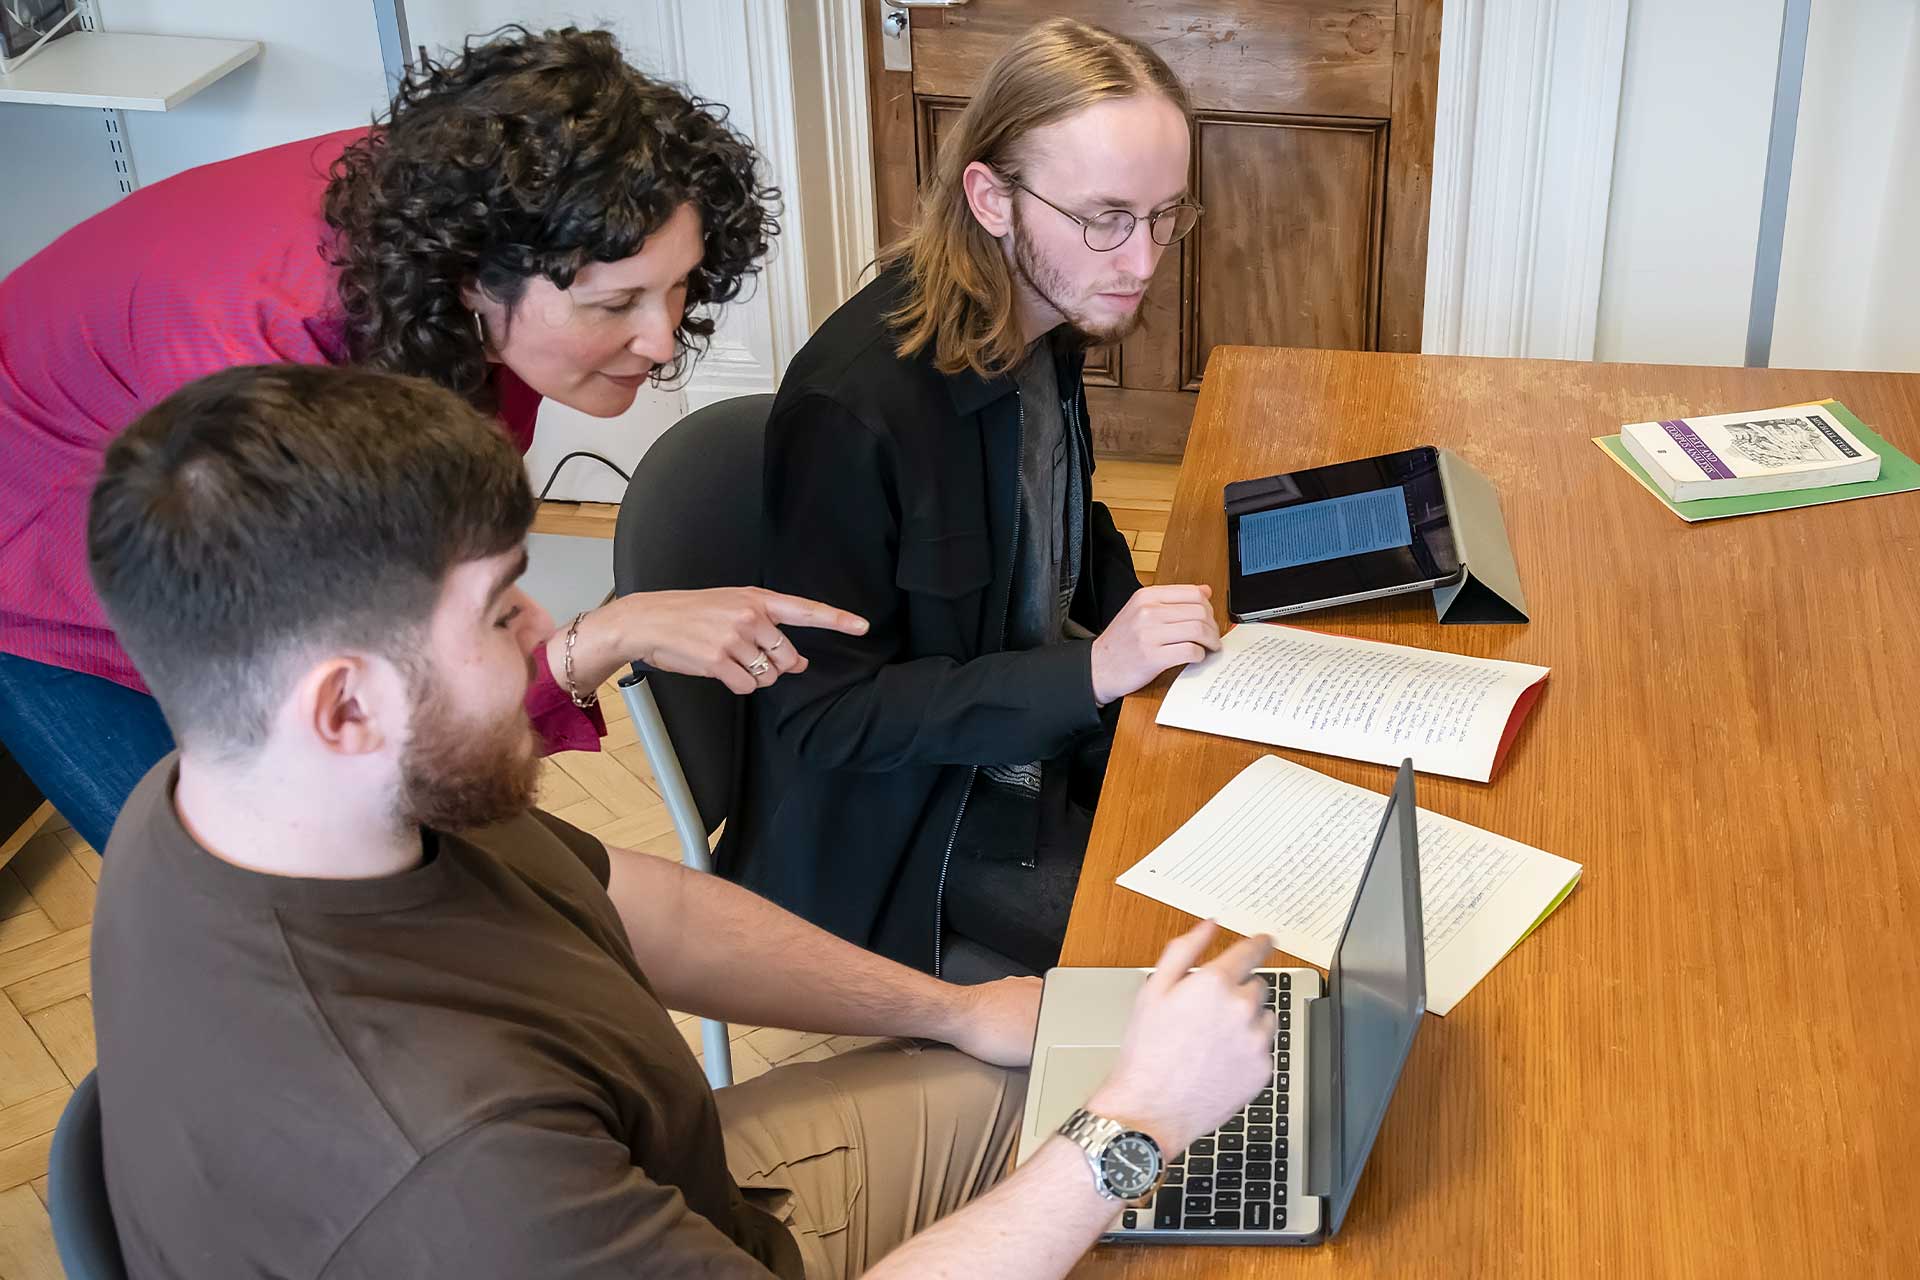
1107,231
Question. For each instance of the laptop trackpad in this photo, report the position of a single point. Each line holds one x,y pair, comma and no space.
1072,1073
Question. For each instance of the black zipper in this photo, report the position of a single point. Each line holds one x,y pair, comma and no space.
1006,608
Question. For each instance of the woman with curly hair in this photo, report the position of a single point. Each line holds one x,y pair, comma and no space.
534,219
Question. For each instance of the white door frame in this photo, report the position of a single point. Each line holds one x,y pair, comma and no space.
1524,129
704,48
830,74
786,92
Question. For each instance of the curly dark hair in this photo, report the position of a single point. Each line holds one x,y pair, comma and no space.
530,155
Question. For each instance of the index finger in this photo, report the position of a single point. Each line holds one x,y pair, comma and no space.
797,611
1180,955
1239,960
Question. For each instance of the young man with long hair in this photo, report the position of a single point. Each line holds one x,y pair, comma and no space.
926,788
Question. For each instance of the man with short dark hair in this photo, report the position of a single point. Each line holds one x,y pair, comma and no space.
363,1012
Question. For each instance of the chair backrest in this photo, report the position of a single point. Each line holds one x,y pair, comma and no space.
83,1228
691,519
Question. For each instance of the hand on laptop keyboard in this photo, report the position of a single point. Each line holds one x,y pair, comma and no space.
1198,1046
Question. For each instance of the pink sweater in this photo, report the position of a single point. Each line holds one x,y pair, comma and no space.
218,266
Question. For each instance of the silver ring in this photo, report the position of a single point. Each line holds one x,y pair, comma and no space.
759,666
776,646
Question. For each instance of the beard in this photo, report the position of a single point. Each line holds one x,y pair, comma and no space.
457,774
1050,284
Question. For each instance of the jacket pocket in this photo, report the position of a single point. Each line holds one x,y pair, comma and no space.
950,567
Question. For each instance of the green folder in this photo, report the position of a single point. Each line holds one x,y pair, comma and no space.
1898,474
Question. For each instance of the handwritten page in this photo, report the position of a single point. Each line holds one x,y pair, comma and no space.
1359,699
1280,850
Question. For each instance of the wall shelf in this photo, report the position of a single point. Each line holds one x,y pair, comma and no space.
115,69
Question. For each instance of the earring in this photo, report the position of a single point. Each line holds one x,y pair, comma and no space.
479,329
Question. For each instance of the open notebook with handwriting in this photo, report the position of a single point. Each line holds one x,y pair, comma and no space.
1362,699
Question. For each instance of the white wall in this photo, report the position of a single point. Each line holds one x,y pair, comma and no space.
1689,163
55,172
319,71
1892,337
646,29
1853,211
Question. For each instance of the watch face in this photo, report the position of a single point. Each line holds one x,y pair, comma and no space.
1130,1165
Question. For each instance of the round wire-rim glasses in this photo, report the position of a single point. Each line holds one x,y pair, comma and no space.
1105,232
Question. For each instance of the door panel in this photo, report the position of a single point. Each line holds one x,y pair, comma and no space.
1302,274
937,118
1312,154
1151,354
1103,367
1328,57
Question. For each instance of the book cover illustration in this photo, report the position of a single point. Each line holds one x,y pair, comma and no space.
1786,442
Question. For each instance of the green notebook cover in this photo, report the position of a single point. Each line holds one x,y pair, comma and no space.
1898,474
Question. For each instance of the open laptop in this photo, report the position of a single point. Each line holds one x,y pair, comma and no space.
1284,1169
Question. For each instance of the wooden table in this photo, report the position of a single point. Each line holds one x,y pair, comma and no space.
1707,1063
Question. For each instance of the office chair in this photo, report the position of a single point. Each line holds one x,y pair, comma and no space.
83,1228
692,519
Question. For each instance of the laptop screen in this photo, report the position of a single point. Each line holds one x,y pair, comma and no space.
1378,989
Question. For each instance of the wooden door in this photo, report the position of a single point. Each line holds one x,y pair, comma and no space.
1312,153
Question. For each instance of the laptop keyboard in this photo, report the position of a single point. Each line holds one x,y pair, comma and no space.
1235,1178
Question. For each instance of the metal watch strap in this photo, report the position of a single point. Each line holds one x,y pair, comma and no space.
1092,1133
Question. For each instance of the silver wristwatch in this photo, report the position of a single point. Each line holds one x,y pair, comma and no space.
1126,1163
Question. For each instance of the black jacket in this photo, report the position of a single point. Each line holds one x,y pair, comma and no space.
892,491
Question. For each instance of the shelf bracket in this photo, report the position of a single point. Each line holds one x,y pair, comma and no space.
119,155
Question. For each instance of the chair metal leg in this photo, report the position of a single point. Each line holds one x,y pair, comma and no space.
652,730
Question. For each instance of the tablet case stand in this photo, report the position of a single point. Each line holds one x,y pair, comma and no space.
1489,586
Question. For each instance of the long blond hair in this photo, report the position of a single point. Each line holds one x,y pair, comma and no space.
959,292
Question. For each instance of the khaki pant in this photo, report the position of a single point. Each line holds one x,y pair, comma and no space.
858,1152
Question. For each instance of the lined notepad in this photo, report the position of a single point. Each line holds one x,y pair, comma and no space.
1280,851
